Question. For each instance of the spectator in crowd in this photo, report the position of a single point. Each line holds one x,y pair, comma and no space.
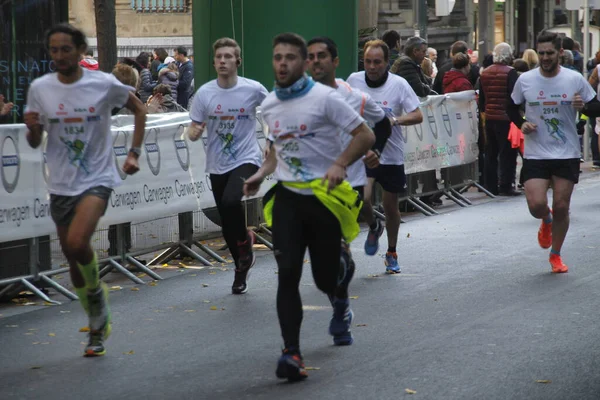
162,101
531,58
520,66
568,61
474,54
432,55
575,47
170,76
427,67
497,82
456,80
146,84
408,66
88,61
159,55
5,108
186,76
457,47
126,74
392,39
593,62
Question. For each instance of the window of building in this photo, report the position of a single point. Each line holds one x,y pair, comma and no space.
160,6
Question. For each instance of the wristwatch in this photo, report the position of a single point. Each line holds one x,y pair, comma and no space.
395,121
136,150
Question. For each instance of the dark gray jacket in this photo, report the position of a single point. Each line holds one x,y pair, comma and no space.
184,90
146,85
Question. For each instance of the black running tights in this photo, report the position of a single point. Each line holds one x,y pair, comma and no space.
301,222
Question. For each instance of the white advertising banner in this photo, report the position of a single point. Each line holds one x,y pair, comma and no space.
171,180
447,136
172,177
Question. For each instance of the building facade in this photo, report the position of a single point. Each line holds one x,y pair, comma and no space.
142,25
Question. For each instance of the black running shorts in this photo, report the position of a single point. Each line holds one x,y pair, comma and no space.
62,208
546,169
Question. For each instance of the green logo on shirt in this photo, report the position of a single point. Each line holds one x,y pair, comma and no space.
76,156
554,127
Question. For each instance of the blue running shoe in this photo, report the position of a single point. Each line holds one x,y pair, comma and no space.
341,321
372,242
391,263
291,366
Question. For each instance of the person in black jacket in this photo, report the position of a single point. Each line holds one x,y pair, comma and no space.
186,75
457,47
408,66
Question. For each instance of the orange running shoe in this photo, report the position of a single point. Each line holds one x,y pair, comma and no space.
557,265
545,234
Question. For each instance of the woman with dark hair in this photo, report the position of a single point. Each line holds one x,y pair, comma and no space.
147,84
520,65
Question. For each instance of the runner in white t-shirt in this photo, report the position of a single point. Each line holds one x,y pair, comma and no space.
306,120
401,104
323,57
226,107
552,96
74,106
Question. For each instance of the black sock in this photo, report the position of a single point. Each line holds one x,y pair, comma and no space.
391,249
374,225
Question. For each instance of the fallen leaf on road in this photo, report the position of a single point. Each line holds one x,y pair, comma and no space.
29,333
182,265
306,261
35,343
135,289
84,329
189,310
45,342
361,325
65,312
58,276
129,353
543,381
12,326
354,297
410,391
373,276
206,301
52,334
212,273
36,367
213,308
312,368
141,275
435,299
205,285
115,288
408,235
32,329
153,283
193,274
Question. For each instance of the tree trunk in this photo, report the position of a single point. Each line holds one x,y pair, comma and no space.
106,33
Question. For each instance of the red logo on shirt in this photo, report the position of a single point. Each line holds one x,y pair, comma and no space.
61,106
276,124
564,96
385,103
541,92
242,110
302,127
92,109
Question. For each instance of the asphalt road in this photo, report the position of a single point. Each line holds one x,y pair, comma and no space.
475,314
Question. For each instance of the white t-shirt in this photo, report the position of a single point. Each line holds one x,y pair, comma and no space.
396,97
306,132
230,116
548,105
366,107
77,117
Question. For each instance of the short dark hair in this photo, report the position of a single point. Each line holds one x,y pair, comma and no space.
331,46
90,52
520,65
412,44
161,53
294,39
550,37
142,59
162,89
181,50
567,43
459,47
77,36
391,37
460,60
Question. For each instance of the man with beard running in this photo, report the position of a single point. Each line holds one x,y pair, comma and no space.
226,107
311,206
74,106
323,57
552,96
401,104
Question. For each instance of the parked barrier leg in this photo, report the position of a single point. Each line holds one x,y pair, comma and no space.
266,230
421,206
166,255
60,289
7,289
460,196
484,190
209,252
195,255
262,240
38,292
454,199
124,271
144,268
